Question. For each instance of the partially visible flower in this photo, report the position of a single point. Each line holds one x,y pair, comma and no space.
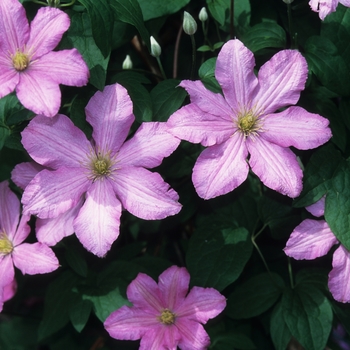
29,258
8,292
189,24
127,63
244,121
96,179
27,62
314,238
156,50
325,7
165,315
203,14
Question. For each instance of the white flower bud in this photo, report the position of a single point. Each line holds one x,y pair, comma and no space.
203,14
127,63
156,50
189,24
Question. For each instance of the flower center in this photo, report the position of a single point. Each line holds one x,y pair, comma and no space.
6,246
20,61
248,122
101,165
167,317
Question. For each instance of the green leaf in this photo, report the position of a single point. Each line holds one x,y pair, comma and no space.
308,315
167,98
279,330
216,257
263,35
129,11
158,8
80,35
204,48
79,314
4,133
76,260
102,23
255,296
206,73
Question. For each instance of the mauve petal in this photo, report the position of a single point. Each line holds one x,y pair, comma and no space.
9,78
276,167
129,323
56,142
14,27
7,271
110,113
46,31
338,278
23,173
173,285
190,123
235,73
310,240
52,193
317,209
98,221
38,93
323,7
149,146
51,231
63,67
207,101
143,293
221,168
345,2
161,337
9,291
34,258
296,127
22,232
193,335
9,210
202,304
145,194
281,80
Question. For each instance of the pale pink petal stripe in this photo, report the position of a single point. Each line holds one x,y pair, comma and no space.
276,167
160,337
98,221
110,113
9,78
38,93
52,193
148,147
310,240
22,231
207,101
190,123
235,73
7,271
281,80
296,127
193,335
145,194
9,209
221,168
46,31
56,142
173,285
14,26
69,67
23,173
338,278
34,258
317,209
202,304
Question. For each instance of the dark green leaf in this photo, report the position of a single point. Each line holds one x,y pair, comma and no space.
76,260
4,133
158,8
79,314
280,333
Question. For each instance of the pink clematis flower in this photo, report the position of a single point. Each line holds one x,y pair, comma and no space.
96,179
244,121
27,62
325,7
29,258
8,293
312,239
163,315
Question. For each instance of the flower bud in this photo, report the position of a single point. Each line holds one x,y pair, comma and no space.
189,24
53,3
203,14
127,63
156,50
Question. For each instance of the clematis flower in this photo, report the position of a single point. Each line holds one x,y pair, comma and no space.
325,7
8,293
29,258
98,178
243,121
312,239
27,62
163,315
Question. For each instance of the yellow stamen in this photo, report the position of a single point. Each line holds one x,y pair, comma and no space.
248,122
167,317
6,246
20,61
101,165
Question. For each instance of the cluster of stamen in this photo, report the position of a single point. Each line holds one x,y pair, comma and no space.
167,317
6,246
248,122
20,61
101,165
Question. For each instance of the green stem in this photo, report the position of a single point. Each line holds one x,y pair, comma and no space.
232,26
290,27
290,272
69,4
193,56
161,68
